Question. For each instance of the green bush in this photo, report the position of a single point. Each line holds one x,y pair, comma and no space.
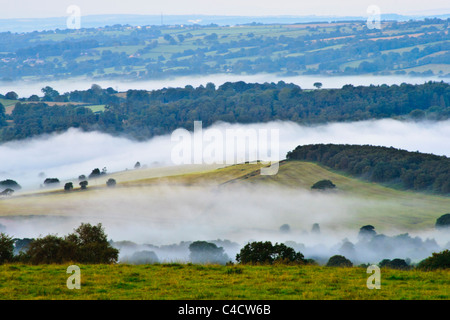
443,221
339,261
266,253
398,264
323,185
88,244
6,248
439,260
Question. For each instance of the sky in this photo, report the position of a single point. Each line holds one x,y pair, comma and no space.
58,8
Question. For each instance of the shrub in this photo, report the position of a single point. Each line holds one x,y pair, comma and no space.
439,260
399,264
142,257
111,183
6,248
51,181
339,261
206,252
443,221
323,185
83,185
88,244
265,252
68,186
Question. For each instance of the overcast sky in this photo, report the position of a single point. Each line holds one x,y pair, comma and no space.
57,8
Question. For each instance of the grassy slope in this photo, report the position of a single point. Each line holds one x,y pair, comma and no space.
185,281
374,204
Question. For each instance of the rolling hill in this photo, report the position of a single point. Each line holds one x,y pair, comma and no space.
365,202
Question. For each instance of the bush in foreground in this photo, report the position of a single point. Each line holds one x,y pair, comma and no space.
88,244
339,261
6,248
439,260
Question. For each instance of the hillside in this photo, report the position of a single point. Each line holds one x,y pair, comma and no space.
364,202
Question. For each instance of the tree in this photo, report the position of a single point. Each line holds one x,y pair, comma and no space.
265,252
323,185
367,232
83,185
81,177
11,95
142,257
51,181
111,182
8,183
318,85
68,186
6,248
315,228
339,261
285,228
95,173
92,244
443,222
206,252
137,165
49,94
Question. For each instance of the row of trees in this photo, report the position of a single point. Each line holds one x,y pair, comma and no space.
89,244
144,114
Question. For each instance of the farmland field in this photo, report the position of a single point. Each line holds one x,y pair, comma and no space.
199,282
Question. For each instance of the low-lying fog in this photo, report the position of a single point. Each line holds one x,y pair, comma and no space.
72,153
165,217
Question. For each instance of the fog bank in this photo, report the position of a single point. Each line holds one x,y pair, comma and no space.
72,153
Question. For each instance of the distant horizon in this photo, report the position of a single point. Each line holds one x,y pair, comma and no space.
29,9
236,15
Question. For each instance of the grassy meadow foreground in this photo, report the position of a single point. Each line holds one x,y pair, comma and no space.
189,281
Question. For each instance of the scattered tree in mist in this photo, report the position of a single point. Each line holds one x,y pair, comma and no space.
267,253
6,248
95,173
318,85
51,182
137,165
68,186
83,185
8,183
367,232
285,228
81,177
141,257
443,222
339,261
323,185
111,182
315,228
206,252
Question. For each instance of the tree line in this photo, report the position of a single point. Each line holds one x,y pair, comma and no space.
143,114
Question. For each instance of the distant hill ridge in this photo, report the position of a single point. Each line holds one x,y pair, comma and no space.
398,168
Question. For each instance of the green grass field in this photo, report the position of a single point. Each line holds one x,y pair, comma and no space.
211,282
